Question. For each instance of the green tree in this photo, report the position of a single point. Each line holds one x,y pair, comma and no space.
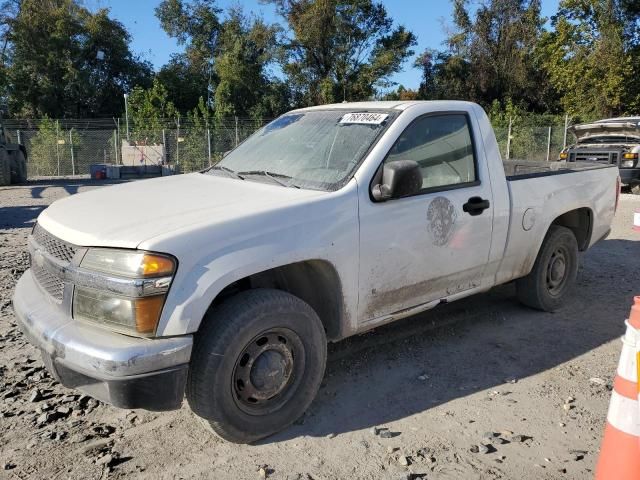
50,150
149,110
588,58
340,49
195,25
186,83
226,60
194,150
490,56
64,61
247,47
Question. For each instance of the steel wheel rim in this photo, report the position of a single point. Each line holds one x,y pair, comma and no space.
557,269
267,371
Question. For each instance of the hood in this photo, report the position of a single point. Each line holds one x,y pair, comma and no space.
599,129
128,214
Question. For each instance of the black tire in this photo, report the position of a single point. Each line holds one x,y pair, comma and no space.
553,273
5,169
18,167
253,331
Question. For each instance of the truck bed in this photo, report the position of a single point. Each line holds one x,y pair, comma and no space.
521,169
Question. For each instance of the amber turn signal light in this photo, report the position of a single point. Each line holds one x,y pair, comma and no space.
148,311
155,265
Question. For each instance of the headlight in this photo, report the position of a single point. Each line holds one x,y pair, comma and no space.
628,163
125,263
126,290
139,315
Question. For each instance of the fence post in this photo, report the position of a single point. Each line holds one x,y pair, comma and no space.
165,149
509,139
115,144
118,154
73,163
237,138
178,145
19,139
549,144
209,145
57,147
566,126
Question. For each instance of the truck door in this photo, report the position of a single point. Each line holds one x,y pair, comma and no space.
429,246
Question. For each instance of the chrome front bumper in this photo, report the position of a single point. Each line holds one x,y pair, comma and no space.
125,371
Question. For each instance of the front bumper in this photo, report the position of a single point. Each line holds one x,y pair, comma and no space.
124,371
630,177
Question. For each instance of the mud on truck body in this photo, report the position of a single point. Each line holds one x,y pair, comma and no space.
614,141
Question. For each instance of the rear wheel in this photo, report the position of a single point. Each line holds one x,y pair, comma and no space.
553,273
18,167
257,364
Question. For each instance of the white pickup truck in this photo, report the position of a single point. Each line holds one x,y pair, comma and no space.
226,285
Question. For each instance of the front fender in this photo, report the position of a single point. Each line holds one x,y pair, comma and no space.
211,258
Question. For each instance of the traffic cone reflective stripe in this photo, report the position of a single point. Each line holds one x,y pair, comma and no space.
620,453
623,415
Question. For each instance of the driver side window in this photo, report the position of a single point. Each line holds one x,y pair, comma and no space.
442,147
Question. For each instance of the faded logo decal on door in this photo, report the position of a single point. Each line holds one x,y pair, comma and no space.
441,220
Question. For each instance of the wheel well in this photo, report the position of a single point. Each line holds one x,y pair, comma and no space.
579,221
314,281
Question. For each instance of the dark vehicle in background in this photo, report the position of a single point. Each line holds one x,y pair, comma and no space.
613,141
13,160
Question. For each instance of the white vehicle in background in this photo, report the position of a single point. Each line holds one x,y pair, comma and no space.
227,284
614,141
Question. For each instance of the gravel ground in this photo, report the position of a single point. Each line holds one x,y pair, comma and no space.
479,389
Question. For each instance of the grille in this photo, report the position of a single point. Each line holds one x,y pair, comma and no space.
49,282
598,156
52,245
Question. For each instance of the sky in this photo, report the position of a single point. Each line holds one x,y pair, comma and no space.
427,19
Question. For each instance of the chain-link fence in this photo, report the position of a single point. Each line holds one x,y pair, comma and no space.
534,143
60,148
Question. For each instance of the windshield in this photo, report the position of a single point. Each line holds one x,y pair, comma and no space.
317,149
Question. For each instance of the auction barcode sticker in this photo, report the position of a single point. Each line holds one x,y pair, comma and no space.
364,118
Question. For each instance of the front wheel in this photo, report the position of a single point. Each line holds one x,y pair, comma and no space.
257,364
553,273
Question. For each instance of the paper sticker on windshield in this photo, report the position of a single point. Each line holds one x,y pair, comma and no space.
364,118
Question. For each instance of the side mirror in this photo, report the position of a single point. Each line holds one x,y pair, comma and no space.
399,179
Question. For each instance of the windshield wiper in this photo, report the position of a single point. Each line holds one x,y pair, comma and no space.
272,176
231,172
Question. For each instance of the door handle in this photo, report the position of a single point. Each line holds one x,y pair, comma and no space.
475,206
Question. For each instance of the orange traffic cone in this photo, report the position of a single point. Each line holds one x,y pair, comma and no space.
620,452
